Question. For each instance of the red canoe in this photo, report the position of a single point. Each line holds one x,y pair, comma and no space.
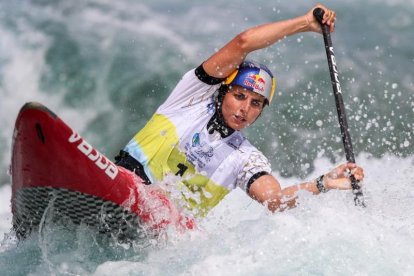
55,171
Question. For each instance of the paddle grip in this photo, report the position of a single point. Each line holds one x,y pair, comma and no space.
318,13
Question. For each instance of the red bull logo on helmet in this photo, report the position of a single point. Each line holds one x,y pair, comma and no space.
254,77
256,82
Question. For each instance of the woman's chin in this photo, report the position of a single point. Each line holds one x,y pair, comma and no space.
237,126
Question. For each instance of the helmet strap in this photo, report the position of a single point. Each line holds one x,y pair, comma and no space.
216,122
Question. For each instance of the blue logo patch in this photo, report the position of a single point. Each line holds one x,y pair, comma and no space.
236,141
200,151
196,140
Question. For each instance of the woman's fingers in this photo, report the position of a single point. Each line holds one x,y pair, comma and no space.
329,17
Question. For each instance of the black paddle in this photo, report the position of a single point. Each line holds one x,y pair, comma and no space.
340,108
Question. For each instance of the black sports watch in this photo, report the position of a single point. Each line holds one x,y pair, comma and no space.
319,184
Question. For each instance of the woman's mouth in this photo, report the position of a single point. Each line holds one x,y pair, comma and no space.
239,119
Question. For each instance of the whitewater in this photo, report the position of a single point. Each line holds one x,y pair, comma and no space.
324,235
104,67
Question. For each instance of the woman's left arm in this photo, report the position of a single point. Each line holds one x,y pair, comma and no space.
266,189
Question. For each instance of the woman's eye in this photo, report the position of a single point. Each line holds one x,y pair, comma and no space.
257,103
239,96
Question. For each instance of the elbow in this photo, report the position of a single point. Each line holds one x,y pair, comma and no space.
244,42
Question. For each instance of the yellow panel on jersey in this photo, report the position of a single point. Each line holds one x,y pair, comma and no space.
204,193
158,141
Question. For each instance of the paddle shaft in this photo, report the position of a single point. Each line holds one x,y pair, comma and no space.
340,107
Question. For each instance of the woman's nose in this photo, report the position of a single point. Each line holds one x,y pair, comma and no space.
245,106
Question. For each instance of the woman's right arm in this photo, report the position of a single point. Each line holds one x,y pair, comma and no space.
225,61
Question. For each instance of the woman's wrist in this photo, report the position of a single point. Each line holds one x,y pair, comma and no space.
320,184
303,24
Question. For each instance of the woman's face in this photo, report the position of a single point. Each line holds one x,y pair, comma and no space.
241,107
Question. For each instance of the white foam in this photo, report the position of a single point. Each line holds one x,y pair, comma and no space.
326,234
5,210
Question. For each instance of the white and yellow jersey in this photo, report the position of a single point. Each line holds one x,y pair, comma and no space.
175,141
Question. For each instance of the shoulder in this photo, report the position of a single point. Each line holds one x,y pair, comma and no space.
254,165
203,76
195,87
250,157
255,157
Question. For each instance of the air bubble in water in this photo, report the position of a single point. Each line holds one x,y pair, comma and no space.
319,123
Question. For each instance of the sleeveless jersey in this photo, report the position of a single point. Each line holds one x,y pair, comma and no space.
175,141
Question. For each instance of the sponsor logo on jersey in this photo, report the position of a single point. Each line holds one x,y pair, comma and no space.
235,141
196,140
205,151
199,152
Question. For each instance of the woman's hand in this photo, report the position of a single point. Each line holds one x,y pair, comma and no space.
329,18
340,177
